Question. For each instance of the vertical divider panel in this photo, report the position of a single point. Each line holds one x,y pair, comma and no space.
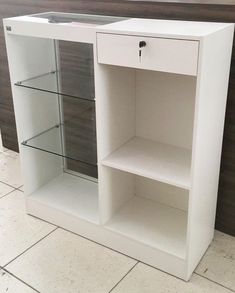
115,110
60,99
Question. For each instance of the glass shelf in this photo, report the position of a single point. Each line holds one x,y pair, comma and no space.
50,141
59,17
48,82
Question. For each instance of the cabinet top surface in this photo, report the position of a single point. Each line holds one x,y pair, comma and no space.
41,24
164,28
69,19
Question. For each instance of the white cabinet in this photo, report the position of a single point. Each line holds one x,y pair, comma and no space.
158,115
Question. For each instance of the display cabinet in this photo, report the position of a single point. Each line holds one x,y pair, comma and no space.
120,126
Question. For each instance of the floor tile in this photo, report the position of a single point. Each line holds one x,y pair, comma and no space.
18,231
145,279
11,153
9,284
218,264
65,262
5,189
10,172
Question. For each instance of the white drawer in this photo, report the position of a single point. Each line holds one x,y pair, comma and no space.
167,55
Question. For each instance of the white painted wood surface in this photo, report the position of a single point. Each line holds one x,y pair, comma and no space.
173,29
164,107
214,68
31,107
33,26
72,195
167,55
166,194
153,224
154,160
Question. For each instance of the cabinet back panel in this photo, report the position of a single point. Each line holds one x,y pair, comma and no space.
163,193
165,107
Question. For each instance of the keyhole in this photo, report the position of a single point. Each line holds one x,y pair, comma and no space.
141,45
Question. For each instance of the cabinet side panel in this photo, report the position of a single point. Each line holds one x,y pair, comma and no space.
119,187
214,65
35,111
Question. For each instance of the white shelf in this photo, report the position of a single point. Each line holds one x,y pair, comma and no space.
72,195
153,224
165,163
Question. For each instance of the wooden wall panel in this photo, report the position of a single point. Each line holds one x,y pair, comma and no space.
224,12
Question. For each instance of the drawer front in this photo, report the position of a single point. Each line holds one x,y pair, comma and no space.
167,55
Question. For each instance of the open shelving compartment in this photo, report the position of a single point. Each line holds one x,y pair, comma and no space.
146,159
56,102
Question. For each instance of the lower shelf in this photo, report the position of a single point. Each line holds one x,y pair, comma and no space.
153,224
72,195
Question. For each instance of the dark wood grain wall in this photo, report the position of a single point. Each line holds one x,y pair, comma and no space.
225,219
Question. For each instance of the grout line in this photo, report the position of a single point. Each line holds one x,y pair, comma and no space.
29,247
42,220
107,247
124,277
20,280
214,282
8,193
6,150
79,235
98,243
10,185
18,188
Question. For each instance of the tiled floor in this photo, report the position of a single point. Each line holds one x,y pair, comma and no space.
36,256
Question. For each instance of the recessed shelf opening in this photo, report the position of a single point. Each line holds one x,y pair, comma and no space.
70,194
151,124
58,138
146,164
148,211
